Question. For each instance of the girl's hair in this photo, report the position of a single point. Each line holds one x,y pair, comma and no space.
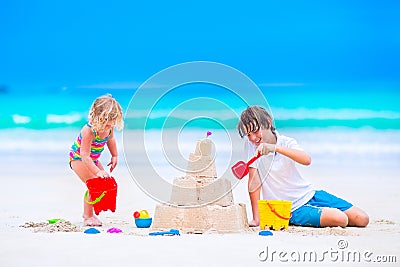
252,119
105,108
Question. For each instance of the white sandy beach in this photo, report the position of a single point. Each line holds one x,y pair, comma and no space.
38,185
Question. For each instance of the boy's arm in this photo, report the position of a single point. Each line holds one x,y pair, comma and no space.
295,154
254,186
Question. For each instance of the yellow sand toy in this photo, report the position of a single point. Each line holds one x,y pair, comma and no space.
274,214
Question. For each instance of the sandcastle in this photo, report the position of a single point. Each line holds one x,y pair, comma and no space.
200,201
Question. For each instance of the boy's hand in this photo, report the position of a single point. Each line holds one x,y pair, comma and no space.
265,148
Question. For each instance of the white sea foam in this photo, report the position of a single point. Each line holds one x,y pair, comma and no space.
316,140
67,119
336,114
278,113
19,119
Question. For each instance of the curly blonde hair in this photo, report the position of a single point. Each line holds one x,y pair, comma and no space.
105,108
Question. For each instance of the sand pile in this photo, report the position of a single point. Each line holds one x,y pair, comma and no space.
311,231
59,226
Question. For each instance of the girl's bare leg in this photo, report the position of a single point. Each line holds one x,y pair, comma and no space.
90,219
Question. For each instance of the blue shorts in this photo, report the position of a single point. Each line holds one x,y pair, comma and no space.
310,213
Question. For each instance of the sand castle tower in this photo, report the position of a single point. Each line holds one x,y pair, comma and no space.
200,201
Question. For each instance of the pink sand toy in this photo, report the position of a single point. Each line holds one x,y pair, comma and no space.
114,230
103,193
241,169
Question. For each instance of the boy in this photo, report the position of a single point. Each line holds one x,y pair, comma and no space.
276,174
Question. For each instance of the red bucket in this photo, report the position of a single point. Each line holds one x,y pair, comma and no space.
103,194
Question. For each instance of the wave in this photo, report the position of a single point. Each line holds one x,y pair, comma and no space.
333,114
278,113
19,119
47,121
333,146
64,119
284,118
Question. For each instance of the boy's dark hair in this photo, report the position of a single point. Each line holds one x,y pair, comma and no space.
252,119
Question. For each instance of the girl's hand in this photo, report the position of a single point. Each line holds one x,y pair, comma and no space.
113,163
265,148
102,174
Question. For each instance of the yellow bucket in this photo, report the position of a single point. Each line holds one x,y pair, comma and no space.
274,214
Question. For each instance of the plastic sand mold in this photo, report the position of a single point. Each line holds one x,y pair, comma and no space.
265,233
114,230
92,231
170,232
53,221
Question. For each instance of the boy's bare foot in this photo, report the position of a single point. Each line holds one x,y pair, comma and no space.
254,223
92,221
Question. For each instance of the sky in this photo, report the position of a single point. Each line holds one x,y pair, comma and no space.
64,44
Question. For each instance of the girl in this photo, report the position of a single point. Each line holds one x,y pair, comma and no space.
104,115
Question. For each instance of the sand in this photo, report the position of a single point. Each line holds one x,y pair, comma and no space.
36,188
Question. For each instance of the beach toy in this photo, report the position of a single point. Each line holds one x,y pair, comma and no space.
53,221
265,233
241,169
170,232
103,194
274,214
92,231
114,230
143,222
142,219
144,214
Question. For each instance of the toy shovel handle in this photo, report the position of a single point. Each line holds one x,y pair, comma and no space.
253,159
96,200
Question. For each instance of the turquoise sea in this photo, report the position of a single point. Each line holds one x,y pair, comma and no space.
338,124
353,108
293,106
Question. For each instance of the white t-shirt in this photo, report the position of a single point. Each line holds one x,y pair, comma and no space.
280,178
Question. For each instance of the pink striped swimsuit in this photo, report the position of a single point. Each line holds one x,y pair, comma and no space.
96,147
